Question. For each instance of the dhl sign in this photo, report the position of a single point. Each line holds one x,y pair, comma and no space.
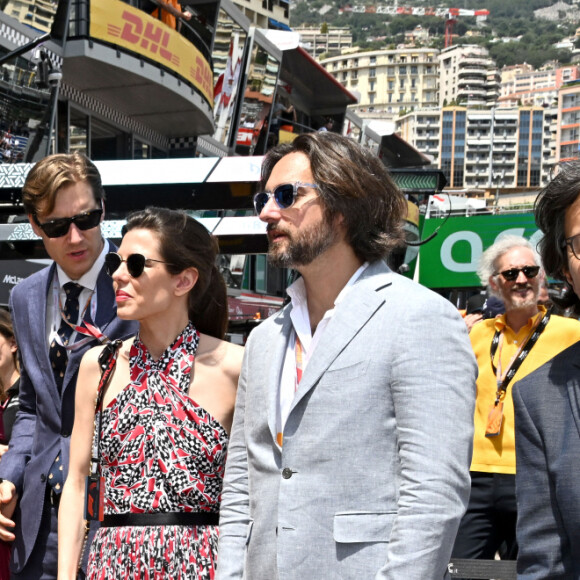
118,23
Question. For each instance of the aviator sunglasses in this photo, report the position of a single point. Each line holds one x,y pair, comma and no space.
284,195
60,227
136,263
513,273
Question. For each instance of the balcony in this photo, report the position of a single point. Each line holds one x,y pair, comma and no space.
130,61
475,71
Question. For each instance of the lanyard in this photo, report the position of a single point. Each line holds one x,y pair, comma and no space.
518,358
85,328
299,359
299,362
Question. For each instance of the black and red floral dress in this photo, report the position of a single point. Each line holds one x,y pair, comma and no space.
160,452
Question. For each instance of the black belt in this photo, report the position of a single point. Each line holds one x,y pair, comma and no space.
161,519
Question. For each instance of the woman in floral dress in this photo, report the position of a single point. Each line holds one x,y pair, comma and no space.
167,411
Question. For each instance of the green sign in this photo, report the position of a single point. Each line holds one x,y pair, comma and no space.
450,259
417,182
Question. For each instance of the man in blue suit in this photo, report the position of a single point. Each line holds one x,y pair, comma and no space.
58,314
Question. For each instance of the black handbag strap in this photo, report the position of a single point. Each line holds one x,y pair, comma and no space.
107,362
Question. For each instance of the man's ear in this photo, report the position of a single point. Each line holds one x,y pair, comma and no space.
185,281
493,284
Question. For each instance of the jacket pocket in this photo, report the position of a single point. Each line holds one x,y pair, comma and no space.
347,372
352,527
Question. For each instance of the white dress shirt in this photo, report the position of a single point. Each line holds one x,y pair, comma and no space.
301,325
57,296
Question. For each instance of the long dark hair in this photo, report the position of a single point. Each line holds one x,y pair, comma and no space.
185,243
353,183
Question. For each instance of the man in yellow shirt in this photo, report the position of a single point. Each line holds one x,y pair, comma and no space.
507,348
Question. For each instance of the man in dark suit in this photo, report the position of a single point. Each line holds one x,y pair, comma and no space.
58,314
547,410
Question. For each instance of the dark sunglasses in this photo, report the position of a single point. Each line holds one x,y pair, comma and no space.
284,195
60,227
136,263
513,273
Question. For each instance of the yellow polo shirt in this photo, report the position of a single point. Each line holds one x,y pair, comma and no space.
498,454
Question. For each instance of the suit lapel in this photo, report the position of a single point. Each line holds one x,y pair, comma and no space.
351,315
573,385
41,293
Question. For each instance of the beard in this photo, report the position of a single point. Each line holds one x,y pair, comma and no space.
302,247
515,302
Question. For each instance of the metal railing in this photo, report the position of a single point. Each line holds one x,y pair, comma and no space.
195,32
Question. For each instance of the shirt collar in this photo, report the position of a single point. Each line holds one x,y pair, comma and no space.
89,278
297,290
500,322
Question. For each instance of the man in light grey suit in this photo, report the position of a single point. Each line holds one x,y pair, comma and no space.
350,449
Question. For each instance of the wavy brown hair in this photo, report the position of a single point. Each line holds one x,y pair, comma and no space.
353,183
52,173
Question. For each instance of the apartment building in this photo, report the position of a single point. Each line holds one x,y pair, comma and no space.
534,87
568,127
485,149
38,14
467,76
266,13
421,128
388,81
316,43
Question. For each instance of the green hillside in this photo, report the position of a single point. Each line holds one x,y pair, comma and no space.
511,18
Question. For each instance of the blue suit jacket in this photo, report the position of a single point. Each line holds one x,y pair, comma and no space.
547,420
44,421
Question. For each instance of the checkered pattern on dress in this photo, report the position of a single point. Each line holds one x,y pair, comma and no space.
159,452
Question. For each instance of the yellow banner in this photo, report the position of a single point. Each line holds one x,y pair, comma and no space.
412,213
118,23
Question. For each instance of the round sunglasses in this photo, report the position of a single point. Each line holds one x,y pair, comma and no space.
60,227
284,195
136,263
513,273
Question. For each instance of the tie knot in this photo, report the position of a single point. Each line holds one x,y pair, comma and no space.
72,290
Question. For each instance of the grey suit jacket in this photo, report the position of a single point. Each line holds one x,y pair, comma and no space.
45,418
547,421
373,478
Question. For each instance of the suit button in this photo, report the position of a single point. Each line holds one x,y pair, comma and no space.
65,434
42,477
286,473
